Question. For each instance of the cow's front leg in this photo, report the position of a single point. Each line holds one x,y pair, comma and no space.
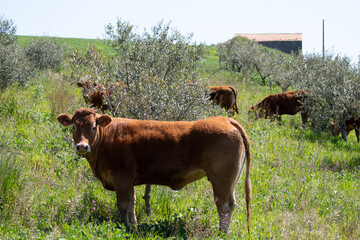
304,118
146,197
126,205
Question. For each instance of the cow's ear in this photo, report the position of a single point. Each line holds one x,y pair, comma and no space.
64,119
79,84
104,120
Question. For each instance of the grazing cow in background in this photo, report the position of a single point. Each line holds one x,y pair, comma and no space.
123,153
350,125
225,96
94,94
275,105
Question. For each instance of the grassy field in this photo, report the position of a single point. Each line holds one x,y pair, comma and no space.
305,183
70,43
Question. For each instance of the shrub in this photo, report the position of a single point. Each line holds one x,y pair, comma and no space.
7,31
14,67
244,54
153,76
91,66
163,52
333,84
157,72
153,98
284,69
45,54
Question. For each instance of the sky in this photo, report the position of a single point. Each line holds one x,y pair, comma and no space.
209,21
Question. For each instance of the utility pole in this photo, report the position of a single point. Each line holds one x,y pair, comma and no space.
323,38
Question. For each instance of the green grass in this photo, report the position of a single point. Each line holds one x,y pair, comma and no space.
71,43
305,183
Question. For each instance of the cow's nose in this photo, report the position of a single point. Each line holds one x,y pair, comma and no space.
82,148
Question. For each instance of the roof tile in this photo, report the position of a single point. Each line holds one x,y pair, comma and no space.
267,37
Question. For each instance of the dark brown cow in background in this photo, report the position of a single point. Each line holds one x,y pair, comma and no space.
225,96
123,153
94,94
350,125
275,105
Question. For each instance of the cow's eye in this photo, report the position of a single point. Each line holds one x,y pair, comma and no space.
94,128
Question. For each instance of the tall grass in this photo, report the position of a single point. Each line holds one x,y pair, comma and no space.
305,183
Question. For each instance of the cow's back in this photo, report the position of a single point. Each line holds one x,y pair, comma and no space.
288,103
281,103
225,96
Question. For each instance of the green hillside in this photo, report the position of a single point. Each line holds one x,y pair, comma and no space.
69,43
305,183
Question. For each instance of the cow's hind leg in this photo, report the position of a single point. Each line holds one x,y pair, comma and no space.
146,197
224,196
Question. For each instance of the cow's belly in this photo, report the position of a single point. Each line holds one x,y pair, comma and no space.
190,177
290,111
175,181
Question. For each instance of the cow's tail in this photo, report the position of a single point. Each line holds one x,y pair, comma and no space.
246,141
236,109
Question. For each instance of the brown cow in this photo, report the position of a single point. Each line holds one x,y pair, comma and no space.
94,94
124,153
275,105
350,125
225,96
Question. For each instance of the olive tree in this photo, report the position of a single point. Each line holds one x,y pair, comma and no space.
45,54
333,84
163,52
7,31
245,54
153,75
89,66
284,69
14,67
157,74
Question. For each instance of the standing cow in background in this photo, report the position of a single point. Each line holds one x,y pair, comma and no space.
94,94
350,125
225,96
275,105
123,153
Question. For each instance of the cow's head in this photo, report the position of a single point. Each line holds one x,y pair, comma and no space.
252,112
87,88
85,127
335,129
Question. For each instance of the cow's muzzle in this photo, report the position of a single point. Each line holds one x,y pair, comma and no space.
82,148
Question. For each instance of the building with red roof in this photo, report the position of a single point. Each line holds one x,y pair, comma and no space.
285,42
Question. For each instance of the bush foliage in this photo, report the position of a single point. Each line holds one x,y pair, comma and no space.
152,76
18,64
332,81
14,66
45,54
7,31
